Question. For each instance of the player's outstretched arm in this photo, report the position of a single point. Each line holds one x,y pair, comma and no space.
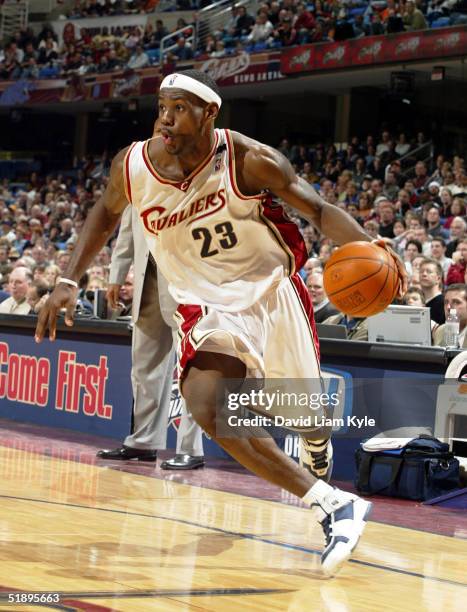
266,168
96,231
269,169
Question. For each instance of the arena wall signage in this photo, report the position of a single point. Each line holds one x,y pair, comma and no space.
86,388
409,46
71,29
82,382
243,68
235,70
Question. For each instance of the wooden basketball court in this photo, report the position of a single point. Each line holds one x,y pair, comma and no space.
104,538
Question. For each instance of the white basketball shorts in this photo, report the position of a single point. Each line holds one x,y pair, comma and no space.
275,338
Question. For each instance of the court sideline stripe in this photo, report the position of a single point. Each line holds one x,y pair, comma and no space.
241,535
70,595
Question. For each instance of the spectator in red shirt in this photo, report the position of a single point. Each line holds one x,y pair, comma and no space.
456,272
304,22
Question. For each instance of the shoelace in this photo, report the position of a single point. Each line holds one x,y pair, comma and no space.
320,460
327,528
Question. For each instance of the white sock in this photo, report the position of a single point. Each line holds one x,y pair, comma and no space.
317,493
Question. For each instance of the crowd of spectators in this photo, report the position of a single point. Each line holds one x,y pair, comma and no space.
276,24
101,8
39,223
28,56
422,216
367,180
292,22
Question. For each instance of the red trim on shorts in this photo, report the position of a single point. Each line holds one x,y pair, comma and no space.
288,230
307,307
190,315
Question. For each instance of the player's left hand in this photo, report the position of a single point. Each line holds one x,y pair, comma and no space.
404,282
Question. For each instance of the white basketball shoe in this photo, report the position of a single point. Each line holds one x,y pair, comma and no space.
343,524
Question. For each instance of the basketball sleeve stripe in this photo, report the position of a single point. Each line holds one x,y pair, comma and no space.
126,173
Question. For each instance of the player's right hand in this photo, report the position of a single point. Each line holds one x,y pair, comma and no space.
113,291
63,296
403,276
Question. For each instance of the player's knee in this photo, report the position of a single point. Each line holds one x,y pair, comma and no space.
200,404
204,415
207,375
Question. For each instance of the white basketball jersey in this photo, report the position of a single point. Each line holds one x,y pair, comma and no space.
215,246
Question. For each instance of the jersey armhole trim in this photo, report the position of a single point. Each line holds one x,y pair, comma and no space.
232,171
126,173
279,238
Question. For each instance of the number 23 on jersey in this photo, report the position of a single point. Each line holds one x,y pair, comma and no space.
224,237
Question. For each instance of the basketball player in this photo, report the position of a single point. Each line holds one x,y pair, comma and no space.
231,258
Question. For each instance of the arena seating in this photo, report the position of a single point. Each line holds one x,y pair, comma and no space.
398,198
276,25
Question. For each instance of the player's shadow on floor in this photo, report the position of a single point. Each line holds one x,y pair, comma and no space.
114,553
106,560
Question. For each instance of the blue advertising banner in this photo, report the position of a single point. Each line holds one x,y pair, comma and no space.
82,382
75,384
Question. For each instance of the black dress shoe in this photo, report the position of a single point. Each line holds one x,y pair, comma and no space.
125,453
183,462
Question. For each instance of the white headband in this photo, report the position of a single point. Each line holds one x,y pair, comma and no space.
181,81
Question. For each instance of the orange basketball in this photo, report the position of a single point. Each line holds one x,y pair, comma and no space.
361,279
